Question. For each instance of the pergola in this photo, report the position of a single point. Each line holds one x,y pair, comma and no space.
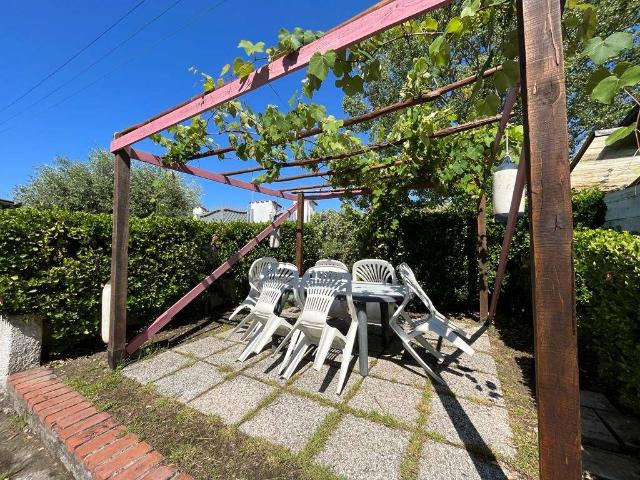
544,166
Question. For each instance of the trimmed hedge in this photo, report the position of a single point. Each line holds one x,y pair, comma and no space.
54,263
608,304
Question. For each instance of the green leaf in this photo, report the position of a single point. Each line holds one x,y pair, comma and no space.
455,26
630,77
439,51
620,133
430,24
251,48
224,70
595,78
319,64
242,68
599,51
606,90
511,69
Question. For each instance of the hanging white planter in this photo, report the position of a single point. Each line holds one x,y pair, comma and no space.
106,311
504,181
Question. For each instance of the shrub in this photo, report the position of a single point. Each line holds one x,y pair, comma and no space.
608,304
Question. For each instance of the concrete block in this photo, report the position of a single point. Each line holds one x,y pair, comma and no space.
20,344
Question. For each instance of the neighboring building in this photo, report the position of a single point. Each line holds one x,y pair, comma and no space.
8,204
223,214
614,169
263,210
309,211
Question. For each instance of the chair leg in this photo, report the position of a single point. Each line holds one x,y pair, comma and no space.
295,336
250,331
346,356
428,347
324,345
253,341
296,357
426,367
266,334
242,322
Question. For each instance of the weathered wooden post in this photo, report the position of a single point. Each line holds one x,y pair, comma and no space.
299,232
482,258
119,259
551,229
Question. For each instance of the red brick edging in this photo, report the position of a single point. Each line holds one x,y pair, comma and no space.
92,444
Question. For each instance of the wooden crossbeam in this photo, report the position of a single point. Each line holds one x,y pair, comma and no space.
365,117
367,25
177,307
152,159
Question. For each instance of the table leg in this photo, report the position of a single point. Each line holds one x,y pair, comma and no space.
384,323
363,346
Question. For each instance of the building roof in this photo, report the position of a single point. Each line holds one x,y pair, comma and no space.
7,203
608,167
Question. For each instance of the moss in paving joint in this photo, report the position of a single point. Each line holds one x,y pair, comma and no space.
270,398
321,435
410,466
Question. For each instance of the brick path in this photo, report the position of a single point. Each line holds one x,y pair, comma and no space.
90,443
461,431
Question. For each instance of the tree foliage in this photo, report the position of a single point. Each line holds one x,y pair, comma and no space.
88,187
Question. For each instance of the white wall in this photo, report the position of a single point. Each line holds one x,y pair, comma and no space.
309,211
623,209
264,211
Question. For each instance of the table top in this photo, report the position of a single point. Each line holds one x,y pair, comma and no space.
378,292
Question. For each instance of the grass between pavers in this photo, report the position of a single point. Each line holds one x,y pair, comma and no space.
515,371
199,444
410,466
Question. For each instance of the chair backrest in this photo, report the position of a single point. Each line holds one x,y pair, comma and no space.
374,271
409,279
275,283
259,269
329,262
321,285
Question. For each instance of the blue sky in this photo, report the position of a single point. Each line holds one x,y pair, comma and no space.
80,107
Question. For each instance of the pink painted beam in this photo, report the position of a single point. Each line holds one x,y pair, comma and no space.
202,173
509,230
168,315
337,193
361,28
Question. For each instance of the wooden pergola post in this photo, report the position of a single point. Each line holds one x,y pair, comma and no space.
119,259
551,229
299,232
482,258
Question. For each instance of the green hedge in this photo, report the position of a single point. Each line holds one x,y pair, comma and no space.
608,304
54,263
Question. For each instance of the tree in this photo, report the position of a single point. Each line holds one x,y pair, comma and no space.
88,186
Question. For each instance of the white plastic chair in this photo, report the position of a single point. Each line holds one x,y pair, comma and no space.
321,286
374,270
265,322
329,262
434,321
257,272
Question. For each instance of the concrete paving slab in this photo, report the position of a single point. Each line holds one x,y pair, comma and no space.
468,423
233,399
444,462
595,400
609,466
288,421
480,362
594,431
362,450
400,370
325,381
188,383
473,384
266,369
229,357
203,347
153,368
626,427
388,398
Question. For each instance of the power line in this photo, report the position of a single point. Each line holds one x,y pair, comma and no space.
93,64
73,57
199,16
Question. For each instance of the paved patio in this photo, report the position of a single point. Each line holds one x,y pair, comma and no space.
391,418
